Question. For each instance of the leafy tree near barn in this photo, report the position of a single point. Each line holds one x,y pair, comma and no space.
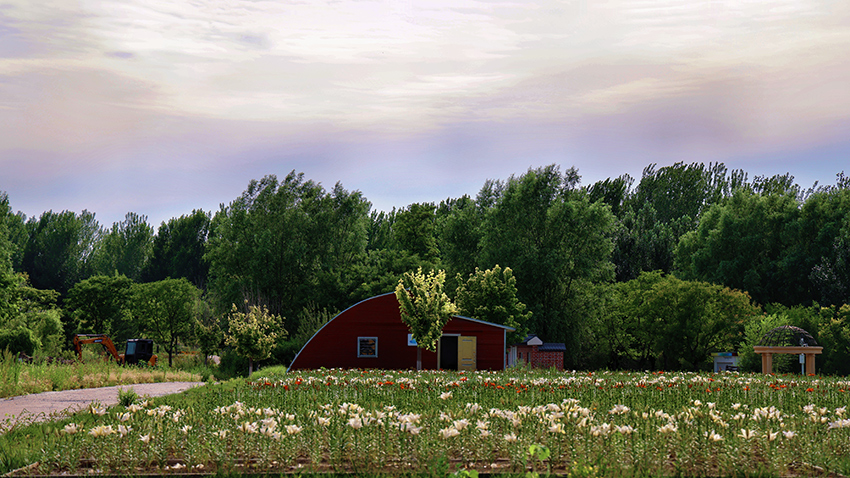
254,334
166,311
556,242
424,308
286,243
459,231
491,296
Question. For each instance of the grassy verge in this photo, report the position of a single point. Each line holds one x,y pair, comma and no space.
19,378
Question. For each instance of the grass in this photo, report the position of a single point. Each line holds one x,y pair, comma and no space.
376,422
19,378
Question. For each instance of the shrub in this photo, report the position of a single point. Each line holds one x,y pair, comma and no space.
19,340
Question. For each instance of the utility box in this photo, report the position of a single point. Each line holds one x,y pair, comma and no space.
725,361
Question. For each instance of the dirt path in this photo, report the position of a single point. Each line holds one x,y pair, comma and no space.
49,405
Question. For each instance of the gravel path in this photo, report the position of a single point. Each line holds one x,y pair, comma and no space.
49,405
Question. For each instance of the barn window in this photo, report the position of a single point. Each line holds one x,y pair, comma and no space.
367,346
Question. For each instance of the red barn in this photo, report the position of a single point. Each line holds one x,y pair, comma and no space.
370,334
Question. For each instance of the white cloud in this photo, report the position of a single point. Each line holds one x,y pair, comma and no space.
124,84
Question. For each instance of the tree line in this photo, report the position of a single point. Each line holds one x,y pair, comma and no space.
657,272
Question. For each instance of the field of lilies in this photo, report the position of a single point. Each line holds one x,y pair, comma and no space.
368,421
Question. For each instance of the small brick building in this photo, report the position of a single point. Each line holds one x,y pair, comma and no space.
537,354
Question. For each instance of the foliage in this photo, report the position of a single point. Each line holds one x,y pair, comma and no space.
415,230
459,230
208,334
178,250
674,324
125,248
491,296
19,340
424,307
742,243
553,238
285,243
60,249
378,272
254,334
311,319
165,311
99,305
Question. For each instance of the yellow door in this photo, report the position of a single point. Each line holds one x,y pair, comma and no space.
466,353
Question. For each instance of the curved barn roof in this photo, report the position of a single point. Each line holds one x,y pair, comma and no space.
373,316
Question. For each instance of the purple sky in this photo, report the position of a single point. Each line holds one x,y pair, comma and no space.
160,108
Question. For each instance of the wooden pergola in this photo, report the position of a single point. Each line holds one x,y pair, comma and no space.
771,344
767,356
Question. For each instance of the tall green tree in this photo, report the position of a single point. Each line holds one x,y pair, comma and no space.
424,308
9,281
125,248
415,231
178,250
166,311
554,239
743,244
491,295
459,230
285,243
60,249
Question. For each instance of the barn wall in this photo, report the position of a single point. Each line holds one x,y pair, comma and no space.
335,345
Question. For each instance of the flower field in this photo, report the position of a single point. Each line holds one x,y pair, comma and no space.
581,424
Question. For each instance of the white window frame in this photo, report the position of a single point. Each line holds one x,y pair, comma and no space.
359,339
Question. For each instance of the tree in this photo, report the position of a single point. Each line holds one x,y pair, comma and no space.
254,334
415,231
491,296
178,250
459,230
98,305
555,240
166,311
743,243
9,281
208,334
60,249
126,247
285,243
663,321
424,308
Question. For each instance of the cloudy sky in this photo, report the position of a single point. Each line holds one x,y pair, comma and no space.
162,107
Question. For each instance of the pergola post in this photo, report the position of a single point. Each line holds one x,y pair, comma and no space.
767,356
810,364
767,363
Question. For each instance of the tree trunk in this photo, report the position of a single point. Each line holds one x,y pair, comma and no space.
250,367
418,358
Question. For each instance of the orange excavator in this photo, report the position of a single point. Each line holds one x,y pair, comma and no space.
138,351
